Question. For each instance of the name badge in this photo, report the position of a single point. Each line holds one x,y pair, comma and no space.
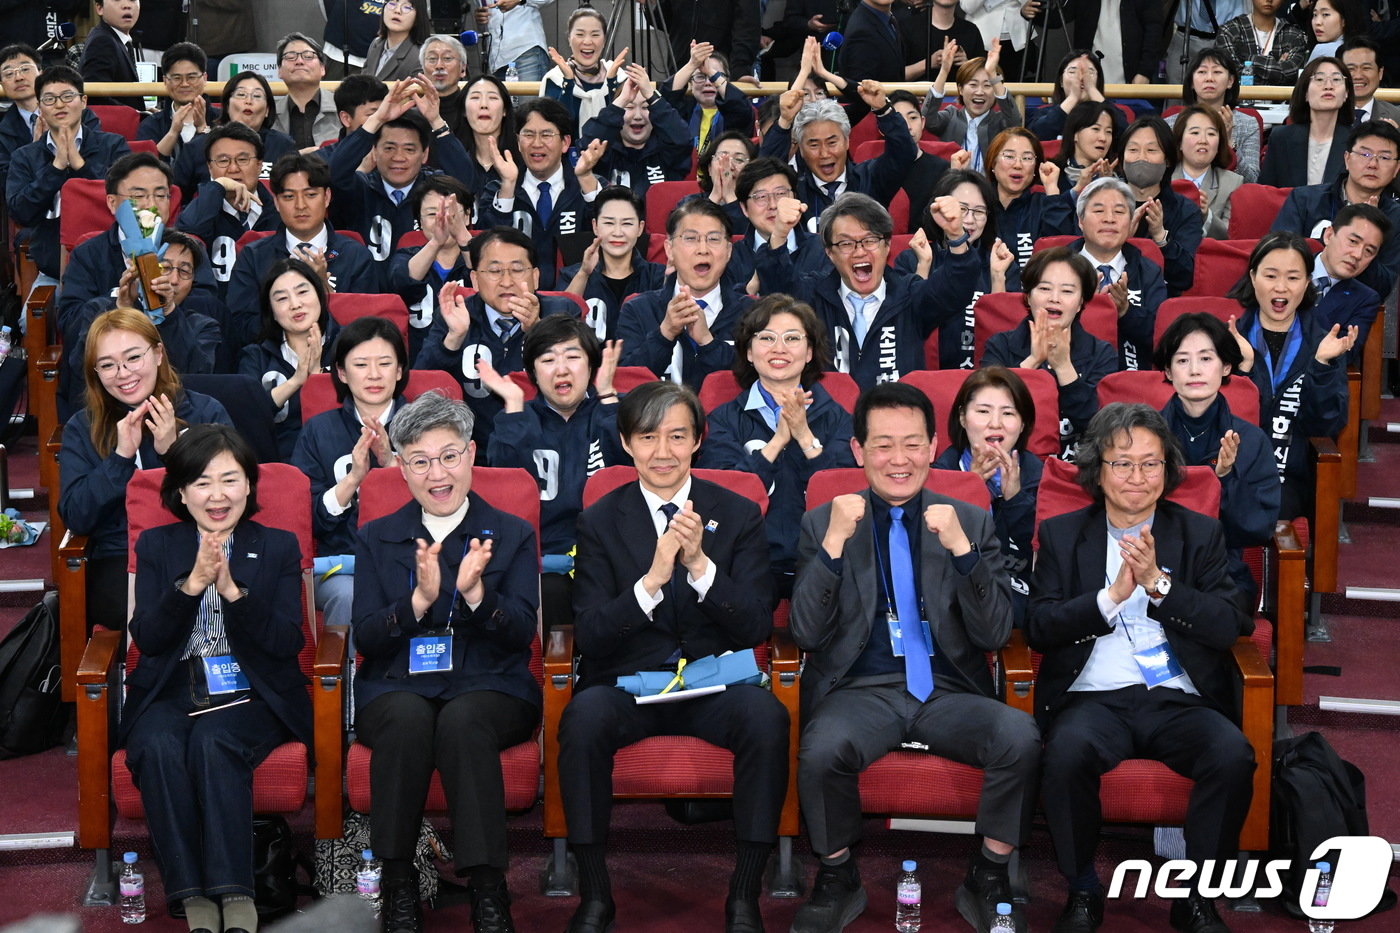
1158,664
430,654
223,675
897,634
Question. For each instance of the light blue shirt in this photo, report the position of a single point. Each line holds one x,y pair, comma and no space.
766,406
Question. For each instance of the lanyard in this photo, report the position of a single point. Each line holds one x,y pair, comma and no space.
452,609
1290,352
885,573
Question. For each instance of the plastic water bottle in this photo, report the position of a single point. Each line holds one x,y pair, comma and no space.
1324,891
132,888
367,880
1004,920
908,899
1247,74
512,74
5,343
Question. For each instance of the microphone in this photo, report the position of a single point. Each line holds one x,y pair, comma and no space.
63,32
469,37
833,41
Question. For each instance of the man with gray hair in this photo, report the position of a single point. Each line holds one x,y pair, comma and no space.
877,318
306,113
1134,282
1135,614
823,132
444,61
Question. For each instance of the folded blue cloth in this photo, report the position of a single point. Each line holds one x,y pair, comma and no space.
333,563
738,667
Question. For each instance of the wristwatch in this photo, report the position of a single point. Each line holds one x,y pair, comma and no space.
815,445
959,241
1161,587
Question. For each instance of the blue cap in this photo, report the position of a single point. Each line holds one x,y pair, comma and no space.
910,864
1003,909
367,854
129,858
1324,866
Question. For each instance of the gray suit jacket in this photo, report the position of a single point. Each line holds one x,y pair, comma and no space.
950,123
327,125
402,64
831,614
1384,110
1219,184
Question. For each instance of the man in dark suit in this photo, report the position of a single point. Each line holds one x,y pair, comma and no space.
684,330
1349,246
896,656
873,46
110,51
1135,613
669,568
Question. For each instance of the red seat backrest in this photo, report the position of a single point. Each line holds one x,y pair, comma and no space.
864,131
1173,308
348,306
1004,311
1187,189
318,394
352,234
942,385
874,148
252,236
826,485
1059,493
1050,148
84,209
510,489
747,485
143,145
576,299
1148,386
656,248
1253,209
662,198
1147,246
1219,265
119,119
412,238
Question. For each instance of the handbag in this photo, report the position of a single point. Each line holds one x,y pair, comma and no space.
337,860
275,864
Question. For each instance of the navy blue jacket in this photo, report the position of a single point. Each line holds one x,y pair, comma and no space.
1312,401
482,342
1032,215
881,177
561,454
191,167
604,307
1048,122
1182,221
1309,209
665,156
154,126
1014,520
220,230
490,647
643,344
352,270
913,307
323,453
32,187
1079,401
809,259
1249,493
14,133
361,203
957,345
92,499
264,628
1146,292
421,294
1349,302
733,111
562,241
734,441
264,362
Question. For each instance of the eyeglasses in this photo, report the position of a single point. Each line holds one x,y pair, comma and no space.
17,71
1322,80
497,271
1122,469
763,198
194,77
544,136
790,338
67,97
715,78
403,6
132,363
254,96
242,161
1366,155
420,464
446,58
1012,158
305,55
868,243
735,158
692,239
976,213
184,272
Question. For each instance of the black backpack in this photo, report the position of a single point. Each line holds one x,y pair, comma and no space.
1316,795
32,714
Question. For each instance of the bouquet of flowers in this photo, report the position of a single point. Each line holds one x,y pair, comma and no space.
142,230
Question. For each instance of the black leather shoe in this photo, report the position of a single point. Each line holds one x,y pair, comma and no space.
400,911
1197,914
1083,913
742,916
491,910
593,917
980,893
837,899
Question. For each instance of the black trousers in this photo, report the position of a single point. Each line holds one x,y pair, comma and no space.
462,739
195,774
556,600
107,593
747,720
856,725
1094,732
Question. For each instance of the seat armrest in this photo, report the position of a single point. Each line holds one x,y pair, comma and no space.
96,703
558,690
98,658
70,576
786,663
1257,723
328,730
1018,673
73,547
1286,604
1326,517
559,653
786,658
331,650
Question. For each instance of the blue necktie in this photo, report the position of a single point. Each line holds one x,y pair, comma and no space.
396,196
1323,283
1105,276
544,204
918,671
695,347
858,322
505,325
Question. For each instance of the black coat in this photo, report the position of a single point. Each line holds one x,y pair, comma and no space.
105,59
